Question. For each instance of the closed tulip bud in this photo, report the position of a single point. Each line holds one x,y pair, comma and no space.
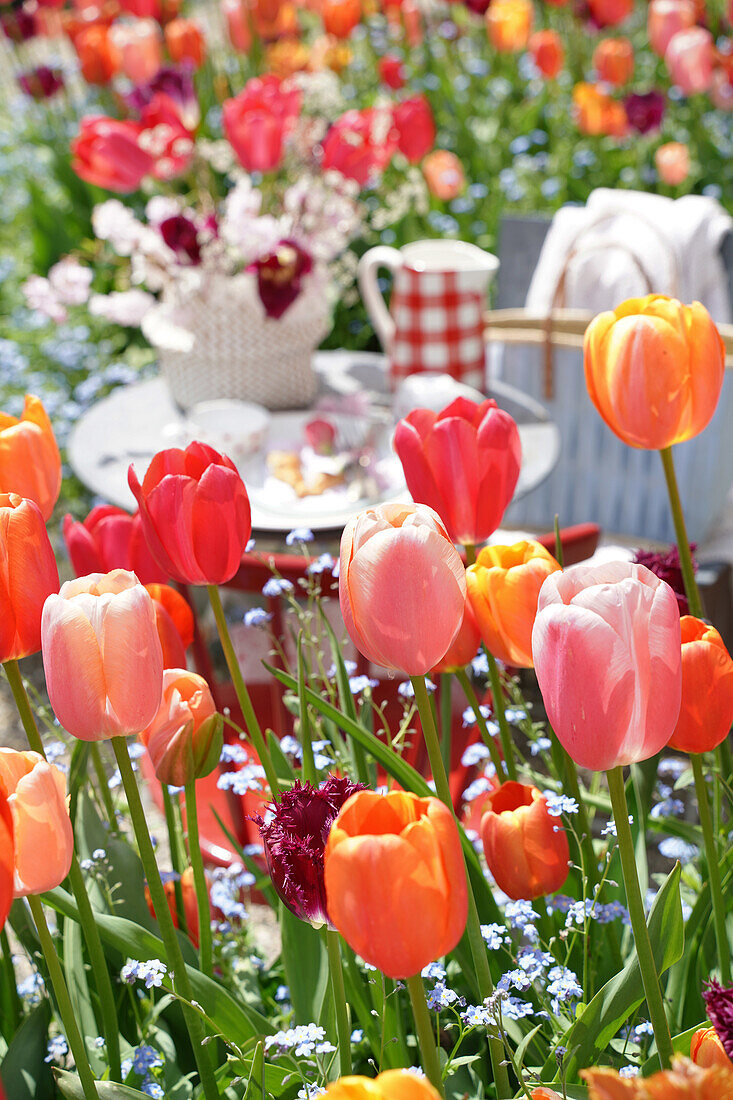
465,645
7,858
706,711
102,656
238,24
672,161
393,1084
184,739
110,538
340,16
509,24
402,586
463,462
608,13
190,903
706,1049
185,41
30,464
526,848
396,881
174,622
543,1093
294,837
415,127
665,18
503,586
43,841
654,370
689,59
614,60
444,175
195,514
27,577
606,648
547,52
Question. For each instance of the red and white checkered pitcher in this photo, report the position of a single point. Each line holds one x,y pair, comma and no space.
435,319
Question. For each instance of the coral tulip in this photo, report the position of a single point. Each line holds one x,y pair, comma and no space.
685,1081
28,575
185,41
393,1084
340,16
389,859
465,646
672,161
99,58
526,848
195,514
190,904
402,586
706,1049
184,738
597,113
706,711
547,52
613,58
7,858
294,837
258,120
463,462
444,175
42,836
360,144
543,1093
30,464
689,59
415,127
108,154
509,23
608,13
503,586
654,370
238,24
607,653
140,50
102,656
665,18
110,538
174,622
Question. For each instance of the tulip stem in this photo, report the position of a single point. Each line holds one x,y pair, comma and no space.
163,916
343,1026
488,740
647,966
103,781
66,1011
711,856
683,543
424,1029
199,880
248,711
497,694
175,843
473,924
445,719
110,1024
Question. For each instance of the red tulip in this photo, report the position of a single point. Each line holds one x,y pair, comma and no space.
174,622
689,59
110,538
164,136
7,859
415,126
185,41
392,71
526,849
258,120
195,514
607,13
464,462
28,575
108,154
143,9
547,52
360,144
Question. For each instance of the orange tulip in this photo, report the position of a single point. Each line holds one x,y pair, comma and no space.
547,52
44,841
139,45
30,464
672,161
444,175
465,645
28,574
706,713
526,849
706,1049
503,587
614,60
340,16
99,58
238,24
685,1081
393,1084
654,370
7,858
543,1093
174,622
190,905
185,41
395,880
509,23
184,738
597,113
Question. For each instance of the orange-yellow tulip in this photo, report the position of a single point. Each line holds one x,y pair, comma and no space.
597,113
395,880
28,574
543,1093
7,858
526,849
393,1084
654,370
685,1081
509,24
184,738
503,587
30,464
44,841
706,712
707,1050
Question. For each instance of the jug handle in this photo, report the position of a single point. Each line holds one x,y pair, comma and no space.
366,274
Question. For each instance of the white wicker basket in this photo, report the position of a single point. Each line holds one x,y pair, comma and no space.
237,351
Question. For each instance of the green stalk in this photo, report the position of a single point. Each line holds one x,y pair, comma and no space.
174,956
488,740
473,924
497,694
343,1027
683,544
711,856
175,843
25,710
206,962
103,784
424,1030
16,1007
647,966
445,718
248,711
66,1011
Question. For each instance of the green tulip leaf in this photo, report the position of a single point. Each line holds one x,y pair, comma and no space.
23,1072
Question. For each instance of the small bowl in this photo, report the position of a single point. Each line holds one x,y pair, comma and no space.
235,428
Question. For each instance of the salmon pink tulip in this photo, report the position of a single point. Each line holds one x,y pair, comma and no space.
613,58
184,738
140,49
42,835
102,656
665,18
672,161
30,464
526,848
393,1084
706,712
7,858
389,859
689,59
463,462
402,586
706,1049
654,370
444,175
238,25
607,653
195,514
28,575
110,538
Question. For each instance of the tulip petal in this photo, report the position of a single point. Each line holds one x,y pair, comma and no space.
73,667
42,830
132,659
222,523
409,444
451,450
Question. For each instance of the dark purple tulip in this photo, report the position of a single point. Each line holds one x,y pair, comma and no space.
181,236
175,82
295,839
645,111
719,1003
279,276
18,25
41,82
667,567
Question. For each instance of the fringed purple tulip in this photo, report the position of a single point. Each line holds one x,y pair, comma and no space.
719,1003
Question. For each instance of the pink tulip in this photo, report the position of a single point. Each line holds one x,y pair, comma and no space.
140,48
464,462
607,650
402,586
665,18
44,841
102,656
689,59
